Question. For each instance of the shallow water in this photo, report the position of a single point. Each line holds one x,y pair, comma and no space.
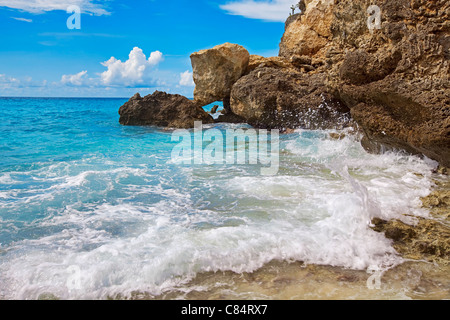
297,281
91,210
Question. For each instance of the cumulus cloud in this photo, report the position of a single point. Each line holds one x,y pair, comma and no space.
268,10
41,6
186,79
78,79
136,71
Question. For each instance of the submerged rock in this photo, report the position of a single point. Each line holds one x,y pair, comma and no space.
429,239
162,110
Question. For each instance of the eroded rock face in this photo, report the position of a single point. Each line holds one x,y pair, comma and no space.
308,33
286,98
395,79
163,110
256,61
216,70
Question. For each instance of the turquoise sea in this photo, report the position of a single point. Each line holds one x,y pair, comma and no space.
90,209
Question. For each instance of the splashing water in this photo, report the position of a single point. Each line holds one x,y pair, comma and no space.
91,209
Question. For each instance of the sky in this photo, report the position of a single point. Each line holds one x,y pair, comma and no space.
114,48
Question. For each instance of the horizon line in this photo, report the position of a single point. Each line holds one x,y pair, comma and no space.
24,97
58,97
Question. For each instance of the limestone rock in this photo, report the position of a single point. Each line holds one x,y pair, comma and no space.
285,98
309,33
256,61
163,110
216,70
395,79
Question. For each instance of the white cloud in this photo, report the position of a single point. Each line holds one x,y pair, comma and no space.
78,79
268,10
7,82
186,79
4,78
40,6
136,71
22,19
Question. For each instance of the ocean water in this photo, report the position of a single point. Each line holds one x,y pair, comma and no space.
90,209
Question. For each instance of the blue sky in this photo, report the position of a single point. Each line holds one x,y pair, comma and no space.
124,47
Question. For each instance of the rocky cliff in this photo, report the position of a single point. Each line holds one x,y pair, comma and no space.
276,92
395,79
387,66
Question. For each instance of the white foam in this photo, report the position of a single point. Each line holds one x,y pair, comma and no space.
6,178
61,184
